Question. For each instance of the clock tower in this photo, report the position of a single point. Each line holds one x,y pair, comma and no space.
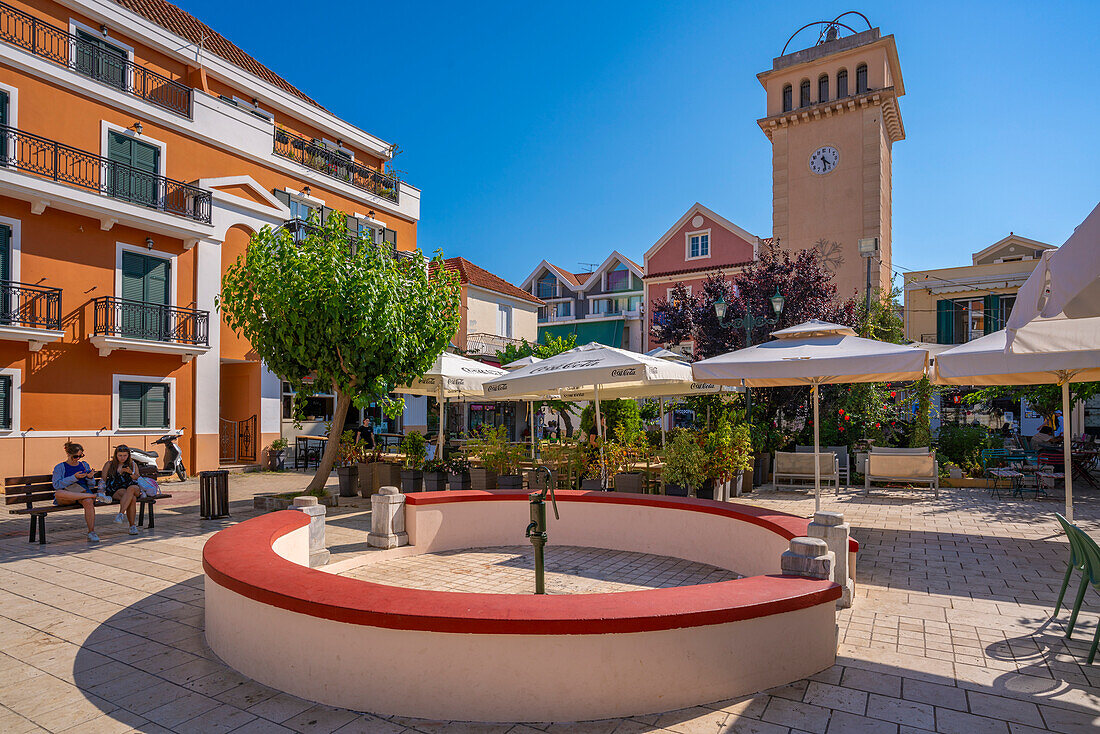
832,119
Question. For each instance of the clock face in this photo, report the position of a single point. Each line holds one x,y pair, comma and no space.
824,159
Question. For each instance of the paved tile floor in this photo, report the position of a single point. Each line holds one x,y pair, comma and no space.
951,631
510,570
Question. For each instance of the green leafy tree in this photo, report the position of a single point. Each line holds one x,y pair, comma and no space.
1043,399
622,417
553,345
341,313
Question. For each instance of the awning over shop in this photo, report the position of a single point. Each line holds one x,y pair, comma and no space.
608,333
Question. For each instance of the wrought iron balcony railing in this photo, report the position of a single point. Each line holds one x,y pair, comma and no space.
29,306
150,321
332,163
300,229
92,60
49,159
480,344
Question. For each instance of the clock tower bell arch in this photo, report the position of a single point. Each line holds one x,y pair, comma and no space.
832,119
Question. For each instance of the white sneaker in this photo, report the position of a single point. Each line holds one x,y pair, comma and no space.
133,530
93,538
120,518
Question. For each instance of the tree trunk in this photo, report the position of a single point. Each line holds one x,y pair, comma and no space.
324,468
568,423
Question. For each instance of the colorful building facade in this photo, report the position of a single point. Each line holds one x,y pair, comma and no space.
140,150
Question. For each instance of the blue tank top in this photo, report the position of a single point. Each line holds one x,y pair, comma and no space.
70,470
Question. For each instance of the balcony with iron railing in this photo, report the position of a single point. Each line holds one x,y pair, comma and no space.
92,60
314,154
39,156
119,323
481,344
299,229
30,313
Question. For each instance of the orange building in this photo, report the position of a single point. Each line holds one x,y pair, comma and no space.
139,149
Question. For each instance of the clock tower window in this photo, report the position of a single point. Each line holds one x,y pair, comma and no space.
861,78
823,88
842,84
804,93
788,98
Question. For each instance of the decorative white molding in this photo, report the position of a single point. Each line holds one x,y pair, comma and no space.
108,344
35,338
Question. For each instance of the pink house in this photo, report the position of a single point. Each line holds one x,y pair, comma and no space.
701,242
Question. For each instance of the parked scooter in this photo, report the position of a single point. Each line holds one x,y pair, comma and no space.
173,457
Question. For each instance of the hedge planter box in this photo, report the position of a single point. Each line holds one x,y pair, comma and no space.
435,481
630,482
383,474
537,479
459,481
675,490
483,479
276,460
412,480
349,480
591,485
706,492
273,502
510,481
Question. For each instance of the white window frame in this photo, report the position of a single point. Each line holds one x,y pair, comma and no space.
16,376
106,127
687,244
13,120
16,226
121,247
152,380
505,313
671,288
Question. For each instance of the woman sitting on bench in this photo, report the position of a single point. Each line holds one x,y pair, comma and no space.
120,478
73,483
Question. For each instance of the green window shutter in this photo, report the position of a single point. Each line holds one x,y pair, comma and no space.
282,196
390,237
6,398
945,321
155,408
133,276
129,404
5,252
145,157
4,102
118,148
992,307
157,273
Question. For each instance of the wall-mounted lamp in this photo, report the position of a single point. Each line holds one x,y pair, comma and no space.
149,243
339,143
305,191
136,127
255,102
103,30
370,214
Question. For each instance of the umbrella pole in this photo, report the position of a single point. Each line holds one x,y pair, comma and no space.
817,449
442,421
662,422
531,417
1067,450
599,436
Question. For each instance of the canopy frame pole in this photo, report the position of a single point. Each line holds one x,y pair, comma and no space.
662,423
531,417
442,420
817,450
1067,449
599,437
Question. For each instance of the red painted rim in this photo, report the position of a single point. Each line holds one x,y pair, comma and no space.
241,558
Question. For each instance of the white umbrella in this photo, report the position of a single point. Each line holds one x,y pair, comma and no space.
814,353
523,362
1066,281
451,376
592,365
1061,351
662,353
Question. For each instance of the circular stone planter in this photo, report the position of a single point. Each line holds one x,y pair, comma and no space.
448,655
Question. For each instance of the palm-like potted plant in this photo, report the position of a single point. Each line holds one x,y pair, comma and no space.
435,475
415,449
276,454
684,458
459,469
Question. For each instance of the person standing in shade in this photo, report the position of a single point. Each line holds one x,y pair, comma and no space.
73,483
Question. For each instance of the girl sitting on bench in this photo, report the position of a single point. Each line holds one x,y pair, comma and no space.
120,476
73,483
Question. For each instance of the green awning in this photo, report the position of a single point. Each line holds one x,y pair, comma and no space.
608,333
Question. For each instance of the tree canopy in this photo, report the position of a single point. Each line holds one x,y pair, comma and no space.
553,345
334,311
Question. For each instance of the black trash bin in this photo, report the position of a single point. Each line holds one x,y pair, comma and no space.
214,494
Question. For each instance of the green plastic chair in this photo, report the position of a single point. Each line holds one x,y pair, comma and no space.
1089,551
1076,559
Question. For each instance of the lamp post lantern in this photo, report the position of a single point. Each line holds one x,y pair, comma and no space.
748,322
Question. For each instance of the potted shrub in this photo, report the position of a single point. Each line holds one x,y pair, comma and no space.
415,449
684,457
435,475
276,454
590,473
347,468
741,456
500,460
621,459
459,470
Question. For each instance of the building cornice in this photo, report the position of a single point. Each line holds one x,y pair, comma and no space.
886,98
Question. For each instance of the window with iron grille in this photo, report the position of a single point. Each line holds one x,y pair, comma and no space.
842,83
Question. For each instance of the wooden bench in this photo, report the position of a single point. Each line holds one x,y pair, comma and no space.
36,493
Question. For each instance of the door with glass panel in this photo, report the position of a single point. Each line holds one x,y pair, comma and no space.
143,311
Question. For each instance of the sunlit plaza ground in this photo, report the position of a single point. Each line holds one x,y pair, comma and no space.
951,630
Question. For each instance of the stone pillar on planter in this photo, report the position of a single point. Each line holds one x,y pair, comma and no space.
387,523
830,527
809,557
318,553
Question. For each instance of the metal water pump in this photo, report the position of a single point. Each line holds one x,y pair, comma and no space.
536,531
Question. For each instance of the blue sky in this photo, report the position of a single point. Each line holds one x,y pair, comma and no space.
564,130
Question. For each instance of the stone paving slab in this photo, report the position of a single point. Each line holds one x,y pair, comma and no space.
951,630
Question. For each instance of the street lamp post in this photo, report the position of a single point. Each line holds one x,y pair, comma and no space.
748,322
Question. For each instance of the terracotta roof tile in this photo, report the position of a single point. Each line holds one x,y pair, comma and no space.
179,21
482,278
700,269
